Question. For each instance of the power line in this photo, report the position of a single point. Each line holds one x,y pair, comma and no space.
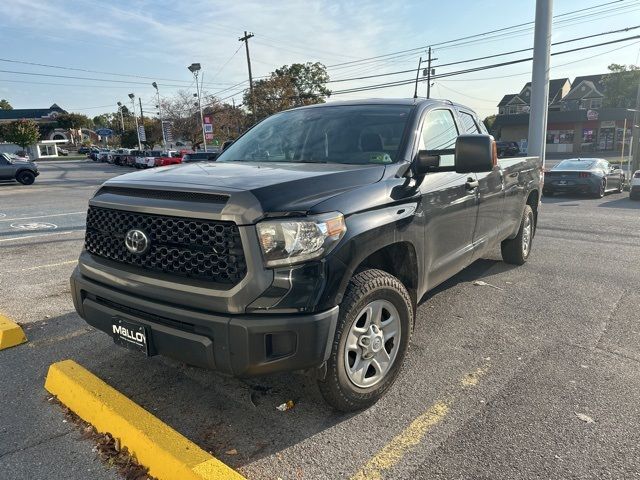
512,52
468,37
475,69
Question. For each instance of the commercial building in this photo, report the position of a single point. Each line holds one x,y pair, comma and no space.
577,120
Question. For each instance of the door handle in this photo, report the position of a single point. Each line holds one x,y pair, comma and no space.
471,184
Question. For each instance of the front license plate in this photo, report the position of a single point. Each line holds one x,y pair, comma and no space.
130,335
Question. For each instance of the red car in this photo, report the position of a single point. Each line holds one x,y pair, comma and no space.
167,158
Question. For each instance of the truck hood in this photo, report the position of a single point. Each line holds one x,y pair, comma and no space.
278,188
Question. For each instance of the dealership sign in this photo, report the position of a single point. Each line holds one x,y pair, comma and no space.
104,132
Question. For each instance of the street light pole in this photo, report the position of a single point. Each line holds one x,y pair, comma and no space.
133,105
121,117
195,68
164,140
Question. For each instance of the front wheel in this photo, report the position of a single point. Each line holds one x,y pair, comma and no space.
26,177
517,250
621,185
370,343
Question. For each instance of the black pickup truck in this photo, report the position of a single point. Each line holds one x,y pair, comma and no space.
307,245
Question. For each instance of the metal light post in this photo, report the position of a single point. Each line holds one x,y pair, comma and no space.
121,117
164,140
195,68
133,105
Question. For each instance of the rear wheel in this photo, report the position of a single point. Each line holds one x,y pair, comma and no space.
517,250
26,177
601,191
371,339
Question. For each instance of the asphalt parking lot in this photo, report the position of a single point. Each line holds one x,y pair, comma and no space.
533,374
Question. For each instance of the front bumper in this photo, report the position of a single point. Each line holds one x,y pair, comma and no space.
240,345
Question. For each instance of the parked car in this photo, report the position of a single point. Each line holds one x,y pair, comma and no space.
84,150
103,155
119,155
507,149
168,158
593,176
19,169
199,157
634,186
63,152
93,154
307,255
148,160
130,159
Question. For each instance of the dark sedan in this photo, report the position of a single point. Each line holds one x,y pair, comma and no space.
592,176
508,149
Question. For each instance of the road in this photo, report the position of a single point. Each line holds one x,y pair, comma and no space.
532,374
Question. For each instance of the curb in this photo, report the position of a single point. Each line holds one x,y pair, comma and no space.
167,454
11,334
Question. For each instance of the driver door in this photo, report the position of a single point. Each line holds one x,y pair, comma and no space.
449,201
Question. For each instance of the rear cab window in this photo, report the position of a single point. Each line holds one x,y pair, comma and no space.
469,124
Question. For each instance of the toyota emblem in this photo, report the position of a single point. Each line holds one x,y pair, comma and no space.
137,241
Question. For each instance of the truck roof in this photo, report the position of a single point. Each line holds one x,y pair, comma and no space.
385,101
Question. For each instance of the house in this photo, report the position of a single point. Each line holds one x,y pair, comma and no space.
46,117
577,121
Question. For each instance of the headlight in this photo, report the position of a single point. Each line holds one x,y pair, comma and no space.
285,242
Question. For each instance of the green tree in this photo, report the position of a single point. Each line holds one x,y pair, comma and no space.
287,87
129,139
621,86
488,123
21,132
5,105
73,120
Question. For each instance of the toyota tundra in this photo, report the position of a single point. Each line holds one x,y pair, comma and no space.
308,244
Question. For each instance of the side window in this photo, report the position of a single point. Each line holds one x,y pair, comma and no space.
468,123
439,132
3,160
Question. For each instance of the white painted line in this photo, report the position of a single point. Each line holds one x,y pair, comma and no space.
43,235
31,226
42,216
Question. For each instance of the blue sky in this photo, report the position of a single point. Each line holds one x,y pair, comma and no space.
158,39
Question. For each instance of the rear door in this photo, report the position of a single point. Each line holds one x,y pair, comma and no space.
490,192
449,204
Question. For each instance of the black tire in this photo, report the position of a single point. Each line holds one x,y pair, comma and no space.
365,287
603,189
513,250
621,186
26,177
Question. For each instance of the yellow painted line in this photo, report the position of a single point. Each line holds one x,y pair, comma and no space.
393,452
167,454
38,267
11,334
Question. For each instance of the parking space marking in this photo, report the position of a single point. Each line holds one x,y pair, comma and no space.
50,265
2,219
393,452
11,334
24,237
166,453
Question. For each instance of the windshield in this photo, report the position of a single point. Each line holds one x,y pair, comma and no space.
356,134
574,165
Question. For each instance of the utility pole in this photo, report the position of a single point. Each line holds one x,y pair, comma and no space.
635,136
540,79
429,73
245,39
121,117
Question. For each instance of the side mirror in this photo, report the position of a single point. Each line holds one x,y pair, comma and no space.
475,153
425,162
226,145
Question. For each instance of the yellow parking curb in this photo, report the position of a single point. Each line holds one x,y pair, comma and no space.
11,334
167,454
